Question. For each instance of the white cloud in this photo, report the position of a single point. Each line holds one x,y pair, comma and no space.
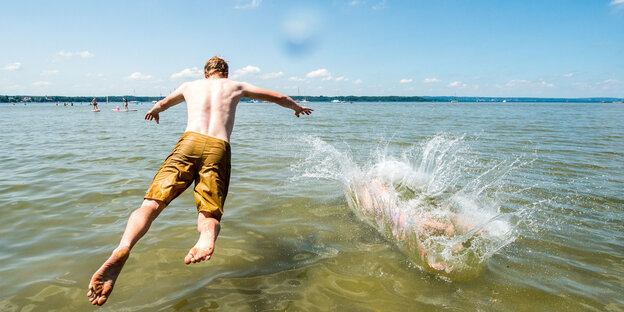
405,80
528,83
380,5
94,75
41,83
65,53
354,2
546,84
82,54
13,66
247,70
138,76
249,5
272,75
358,81
616,2
188,73
610,84
517,82
431,80
294,78
610,81
568,75
320,73
341,78
457,84
50,72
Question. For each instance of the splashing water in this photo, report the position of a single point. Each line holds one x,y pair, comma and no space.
436,202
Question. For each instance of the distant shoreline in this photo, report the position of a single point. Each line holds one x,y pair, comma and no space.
336,99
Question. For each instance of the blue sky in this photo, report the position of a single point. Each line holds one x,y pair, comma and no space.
529,48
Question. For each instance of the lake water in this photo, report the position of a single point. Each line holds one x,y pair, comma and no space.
358,207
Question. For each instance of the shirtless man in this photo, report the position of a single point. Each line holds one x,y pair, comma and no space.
202,155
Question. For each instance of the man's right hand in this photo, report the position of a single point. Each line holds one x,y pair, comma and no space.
303,110
152,115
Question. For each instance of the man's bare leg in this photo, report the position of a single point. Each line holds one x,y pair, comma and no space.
208,228
104,278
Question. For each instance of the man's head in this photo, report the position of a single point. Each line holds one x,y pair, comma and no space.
216,65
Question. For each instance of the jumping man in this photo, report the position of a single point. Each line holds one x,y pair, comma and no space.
201,155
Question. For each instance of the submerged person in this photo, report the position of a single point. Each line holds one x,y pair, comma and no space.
201,155
380,203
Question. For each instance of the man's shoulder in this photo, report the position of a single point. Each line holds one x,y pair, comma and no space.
233,84
207,83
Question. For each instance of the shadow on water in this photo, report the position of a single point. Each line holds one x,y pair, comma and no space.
262,279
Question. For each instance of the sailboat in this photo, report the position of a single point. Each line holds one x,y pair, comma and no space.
304,100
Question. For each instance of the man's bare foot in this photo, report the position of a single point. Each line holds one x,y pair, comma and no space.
208,228
202,250
103,280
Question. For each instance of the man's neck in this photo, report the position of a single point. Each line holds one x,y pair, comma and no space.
215,76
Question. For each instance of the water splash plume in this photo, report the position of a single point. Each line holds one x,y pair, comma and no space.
437,201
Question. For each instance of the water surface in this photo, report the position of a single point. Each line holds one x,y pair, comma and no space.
546,178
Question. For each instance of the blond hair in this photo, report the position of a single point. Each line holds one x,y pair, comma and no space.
216,65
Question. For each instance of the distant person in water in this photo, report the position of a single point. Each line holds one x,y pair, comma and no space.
125,101
201,155
94,103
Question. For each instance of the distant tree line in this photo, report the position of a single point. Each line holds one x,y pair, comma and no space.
346,99
353,98
100,99
350,98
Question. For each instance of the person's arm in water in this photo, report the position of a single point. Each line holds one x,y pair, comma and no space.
253,92
176,97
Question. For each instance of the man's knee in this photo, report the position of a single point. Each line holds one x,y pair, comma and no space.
153,205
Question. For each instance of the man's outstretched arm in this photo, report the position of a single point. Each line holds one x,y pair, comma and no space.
253,92
176,97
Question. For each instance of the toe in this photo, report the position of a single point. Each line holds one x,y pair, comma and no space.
102,300
190,256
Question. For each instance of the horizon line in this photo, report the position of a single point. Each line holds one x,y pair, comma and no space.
340,96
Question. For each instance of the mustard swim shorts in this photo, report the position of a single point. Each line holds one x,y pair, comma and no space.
200,158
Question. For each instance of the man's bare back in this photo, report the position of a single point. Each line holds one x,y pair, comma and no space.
212,102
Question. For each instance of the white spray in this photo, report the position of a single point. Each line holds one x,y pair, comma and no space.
441,206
